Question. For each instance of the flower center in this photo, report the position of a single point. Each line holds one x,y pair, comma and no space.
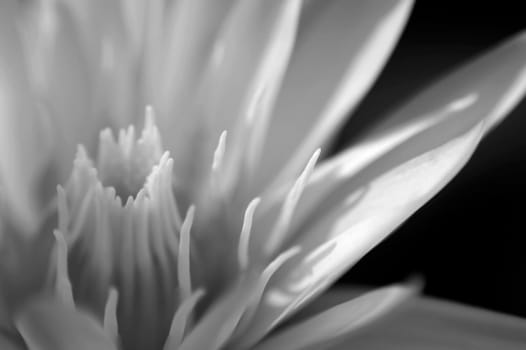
125,252
123,232
124,163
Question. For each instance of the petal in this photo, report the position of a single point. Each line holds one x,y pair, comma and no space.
366,216
426,323
243,81
184,59
338,321
183,65
8,344
248,60
61,79
24,134
485,89
342,46
47,324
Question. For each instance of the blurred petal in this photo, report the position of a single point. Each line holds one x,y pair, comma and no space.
365,216
24,135
341,47
243,80
184,59
183,65
61,79
426,323
8,344
47,324
339,321
248,60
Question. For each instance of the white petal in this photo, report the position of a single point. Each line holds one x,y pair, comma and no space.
485,89
342,46
426,323
247,61
182,67
24,134
62,81
338,321
367,214
47,324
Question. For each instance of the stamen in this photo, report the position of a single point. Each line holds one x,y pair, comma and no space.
62,282
219,152
110,315
266,275
133,246
183,259
244,237
276,236
126,162
62,209
181,320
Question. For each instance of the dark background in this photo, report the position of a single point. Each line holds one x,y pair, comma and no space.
469,242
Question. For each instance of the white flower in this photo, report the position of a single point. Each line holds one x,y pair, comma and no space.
219,221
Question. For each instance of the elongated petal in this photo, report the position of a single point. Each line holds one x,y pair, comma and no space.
244,78
342,46
485,89
243,72
61,79
426,323
47,324
218,324
24,135
340,320
366,215
184,60
183,65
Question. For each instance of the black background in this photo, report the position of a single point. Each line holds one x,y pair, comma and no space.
469,242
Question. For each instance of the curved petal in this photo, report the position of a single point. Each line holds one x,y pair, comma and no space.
426,323
245,67
24,134
182,67
485,89
47,324
342,46
366,216
338,321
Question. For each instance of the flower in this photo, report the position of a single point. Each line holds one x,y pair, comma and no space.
216,224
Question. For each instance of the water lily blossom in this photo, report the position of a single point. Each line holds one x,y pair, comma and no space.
163,181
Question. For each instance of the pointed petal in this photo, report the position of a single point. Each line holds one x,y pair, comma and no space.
243,73
426,323
24,135
220,322
47,324
366,215
338,321
184,60
244,81
486,89
182,68
342,46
